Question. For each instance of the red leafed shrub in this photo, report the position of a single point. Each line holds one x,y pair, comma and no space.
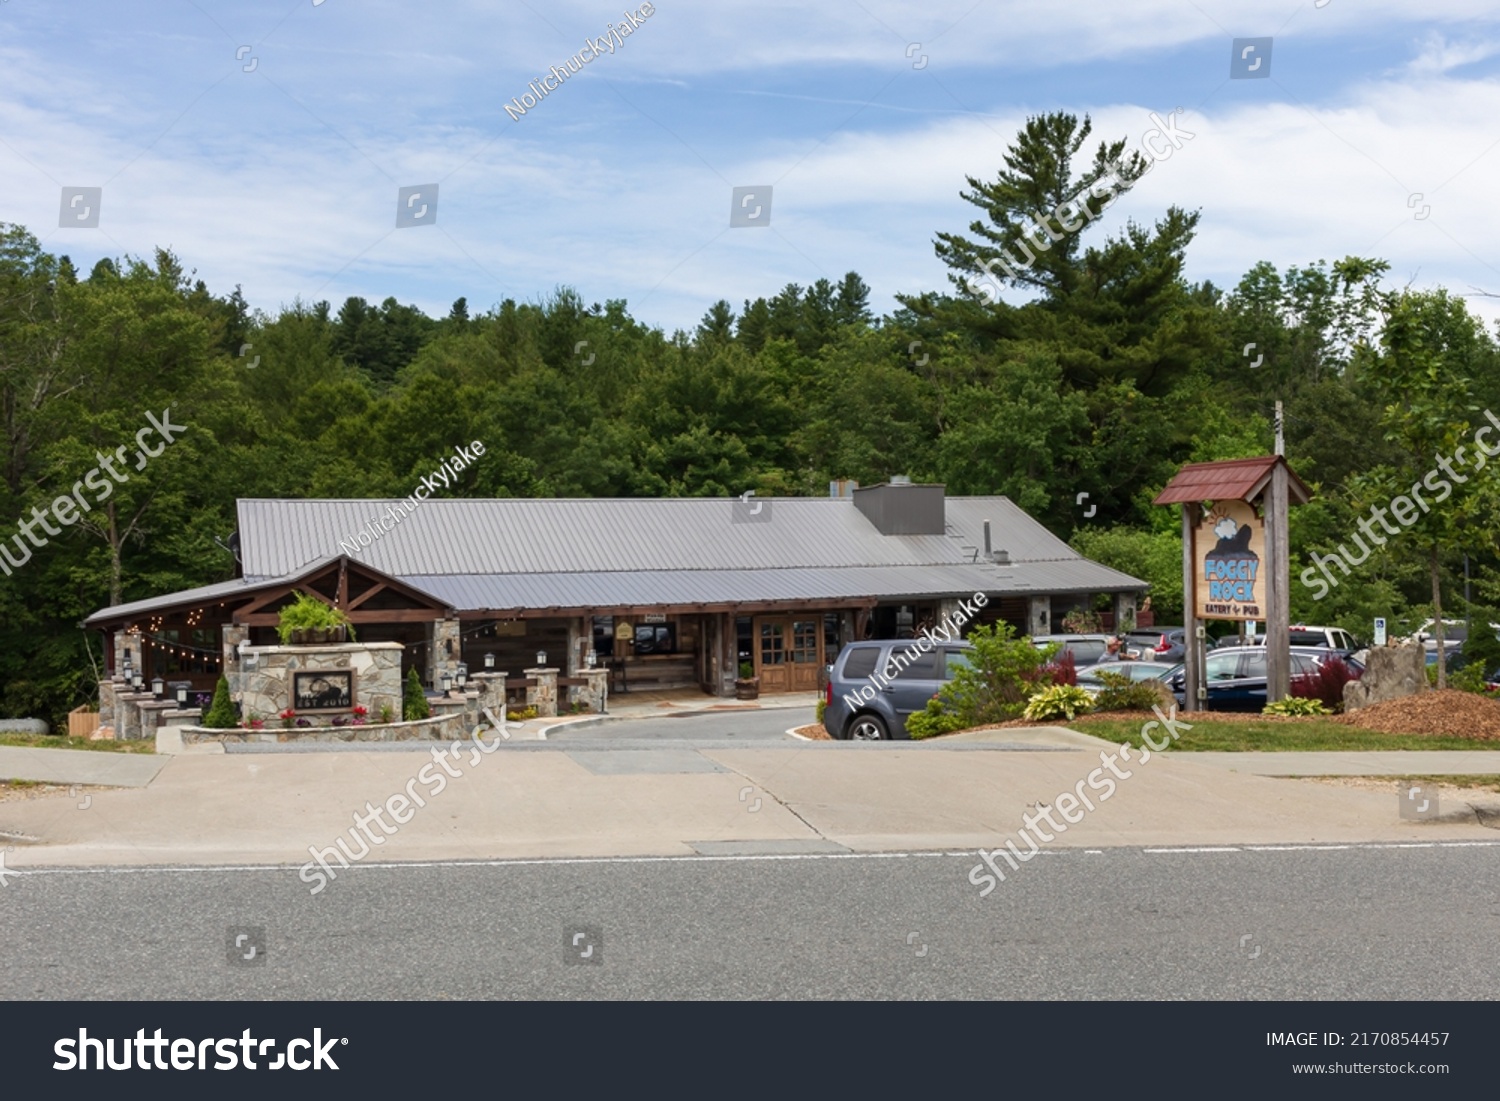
1060,670
1326,685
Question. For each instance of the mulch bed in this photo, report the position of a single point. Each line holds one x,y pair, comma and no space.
1449,713
815,732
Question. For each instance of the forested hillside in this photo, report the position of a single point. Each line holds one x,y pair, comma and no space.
1113,373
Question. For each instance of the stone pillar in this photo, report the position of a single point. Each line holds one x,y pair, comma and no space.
439,661
107,690
595,694
1124,612
491,689
1039,616
231,635
123,639
151,711
542,695
128,719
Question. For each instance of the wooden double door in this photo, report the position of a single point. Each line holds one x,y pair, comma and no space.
788,652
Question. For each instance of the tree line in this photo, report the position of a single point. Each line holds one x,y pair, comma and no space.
1114,372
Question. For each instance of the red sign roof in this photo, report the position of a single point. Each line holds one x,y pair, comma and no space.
1230,480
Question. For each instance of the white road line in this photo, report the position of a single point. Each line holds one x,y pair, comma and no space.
699,858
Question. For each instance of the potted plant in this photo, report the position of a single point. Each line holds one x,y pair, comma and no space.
309,620
747,687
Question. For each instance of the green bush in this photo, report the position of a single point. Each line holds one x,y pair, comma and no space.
822,707
1002,674
1120,693
221,714
414,700
1468,679
1059,701
1296,705
933,721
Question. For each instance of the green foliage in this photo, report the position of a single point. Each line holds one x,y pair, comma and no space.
747,671
1059,701
307,612
413,700
822,707
1468,679
221,715
1002,673
1082,621
1296,705
931,721
1120,693
1154,557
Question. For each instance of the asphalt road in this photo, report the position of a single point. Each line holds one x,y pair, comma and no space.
1357,922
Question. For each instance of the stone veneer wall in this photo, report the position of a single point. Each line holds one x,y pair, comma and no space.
265,676
445,728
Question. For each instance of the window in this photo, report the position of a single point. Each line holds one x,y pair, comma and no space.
1222,666
860,663
922,667
1255,665
1085,653
955,660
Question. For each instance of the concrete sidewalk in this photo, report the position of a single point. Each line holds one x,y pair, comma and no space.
1470,762
79,766
271,809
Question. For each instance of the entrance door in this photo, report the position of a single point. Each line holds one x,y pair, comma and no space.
789,653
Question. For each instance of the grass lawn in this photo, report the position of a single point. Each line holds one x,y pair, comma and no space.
49,741
1250,735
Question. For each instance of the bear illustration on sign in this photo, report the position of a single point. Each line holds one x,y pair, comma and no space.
1234,541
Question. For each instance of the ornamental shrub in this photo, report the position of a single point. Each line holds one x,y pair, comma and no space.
1120,693
1296,705
413,699
1060,701
1326,685
1001,675
221,713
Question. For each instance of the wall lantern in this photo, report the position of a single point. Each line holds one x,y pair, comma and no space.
158,686
489,661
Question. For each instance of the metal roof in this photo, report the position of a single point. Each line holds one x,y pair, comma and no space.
1230,480
529,536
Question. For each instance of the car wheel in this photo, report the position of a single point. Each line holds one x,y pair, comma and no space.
868,728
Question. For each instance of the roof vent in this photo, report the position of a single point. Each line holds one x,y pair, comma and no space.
900,480
901,508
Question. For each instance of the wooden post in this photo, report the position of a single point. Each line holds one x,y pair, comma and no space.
1192,674
1278,588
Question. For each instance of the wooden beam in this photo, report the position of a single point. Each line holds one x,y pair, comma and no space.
380,587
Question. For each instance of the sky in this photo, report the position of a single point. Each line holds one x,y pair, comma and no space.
267,144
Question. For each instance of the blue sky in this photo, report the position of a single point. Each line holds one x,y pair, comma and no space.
864,116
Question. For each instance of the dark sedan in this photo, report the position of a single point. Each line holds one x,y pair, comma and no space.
1236,677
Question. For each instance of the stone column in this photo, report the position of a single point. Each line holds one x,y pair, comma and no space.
231,635
1039,616
542,695
121,640
439,661
595,694
491,689
1124,612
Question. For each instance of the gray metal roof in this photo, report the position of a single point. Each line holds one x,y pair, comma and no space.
515,554
480,537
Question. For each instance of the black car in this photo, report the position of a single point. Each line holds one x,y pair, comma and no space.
1236,677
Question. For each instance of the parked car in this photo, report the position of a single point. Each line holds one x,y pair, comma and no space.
1090,681
1086,649
1236,677
865,708
1167,644
1319,638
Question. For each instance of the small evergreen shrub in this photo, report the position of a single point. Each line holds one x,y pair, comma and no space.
414,700
1120,693
221,713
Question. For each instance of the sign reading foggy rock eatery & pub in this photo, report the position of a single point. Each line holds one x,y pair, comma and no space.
1229,547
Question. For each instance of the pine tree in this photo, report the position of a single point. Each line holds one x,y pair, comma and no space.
414,699
221,714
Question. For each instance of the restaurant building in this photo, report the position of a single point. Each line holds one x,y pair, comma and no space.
666,593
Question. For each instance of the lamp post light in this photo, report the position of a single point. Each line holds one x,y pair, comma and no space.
591,659
447,684
137,682
489,661
462,676
541,659
182,695
158,686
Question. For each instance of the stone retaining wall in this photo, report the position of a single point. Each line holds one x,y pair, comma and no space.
445,728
